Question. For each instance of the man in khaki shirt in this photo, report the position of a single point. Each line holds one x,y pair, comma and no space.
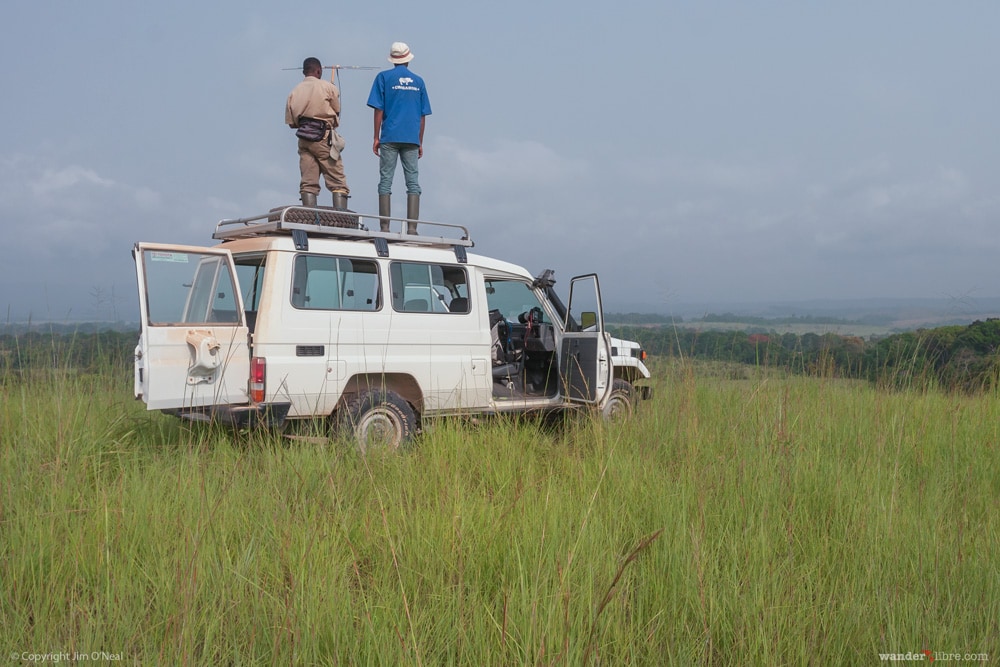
313,110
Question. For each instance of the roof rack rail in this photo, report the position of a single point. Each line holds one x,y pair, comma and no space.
322,221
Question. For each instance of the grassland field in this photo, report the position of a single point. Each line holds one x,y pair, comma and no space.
742,517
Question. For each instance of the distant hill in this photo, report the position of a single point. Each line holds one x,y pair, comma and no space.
884,314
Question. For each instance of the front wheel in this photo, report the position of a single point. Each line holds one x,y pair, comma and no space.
379,420
621,402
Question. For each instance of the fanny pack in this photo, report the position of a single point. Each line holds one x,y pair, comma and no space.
311,129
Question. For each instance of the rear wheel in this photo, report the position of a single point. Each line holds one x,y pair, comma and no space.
379,419
621,403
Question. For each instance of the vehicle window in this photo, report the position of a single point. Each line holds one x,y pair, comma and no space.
189,288
514,298
429,288
250,276
335,283
584,303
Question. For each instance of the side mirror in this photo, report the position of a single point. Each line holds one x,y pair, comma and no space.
588,319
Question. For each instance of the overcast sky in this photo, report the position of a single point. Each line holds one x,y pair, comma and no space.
722,151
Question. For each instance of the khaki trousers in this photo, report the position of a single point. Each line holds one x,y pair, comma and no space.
315,158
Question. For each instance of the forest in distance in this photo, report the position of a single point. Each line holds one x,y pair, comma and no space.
953,358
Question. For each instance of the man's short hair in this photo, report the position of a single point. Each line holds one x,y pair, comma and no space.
310,64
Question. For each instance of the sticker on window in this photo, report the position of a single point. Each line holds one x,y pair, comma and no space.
162,256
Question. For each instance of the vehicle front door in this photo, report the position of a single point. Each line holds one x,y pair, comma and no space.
585,353
193,346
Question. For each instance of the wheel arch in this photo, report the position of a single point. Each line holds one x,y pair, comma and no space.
628,373
401,383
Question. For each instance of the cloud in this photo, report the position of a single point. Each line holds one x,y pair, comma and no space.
886,211
73,207
68,231
147,198
507,189
703,228
507,166
53,181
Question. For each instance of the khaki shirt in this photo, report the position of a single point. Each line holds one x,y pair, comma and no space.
313,98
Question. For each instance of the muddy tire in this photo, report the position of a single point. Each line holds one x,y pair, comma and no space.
378,420
621,403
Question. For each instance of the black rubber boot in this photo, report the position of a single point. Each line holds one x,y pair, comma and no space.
412,213
384,208
308,199
339,201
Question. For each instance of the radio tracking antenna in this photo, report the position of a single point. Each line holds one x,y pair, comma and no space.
336,69
288,69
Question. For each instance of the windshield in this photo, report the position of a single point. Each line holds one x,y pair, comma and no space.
514,299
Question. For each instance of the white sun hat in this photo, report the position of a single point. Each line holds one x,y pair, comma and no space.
399,53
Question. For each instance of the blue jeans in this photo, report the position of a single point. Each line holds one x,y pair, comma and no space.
408,155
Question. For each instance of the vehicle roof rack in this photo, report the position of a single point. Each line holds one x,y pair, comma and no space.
325,222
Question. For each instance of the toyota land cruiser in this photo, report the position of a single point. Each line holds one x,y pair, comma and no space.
304,313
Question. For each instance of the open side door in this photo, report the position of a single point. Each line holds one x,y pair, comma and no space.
193,347
585,353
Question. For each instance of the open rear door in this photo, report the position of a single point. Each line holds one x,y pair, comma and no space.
585,355
193,350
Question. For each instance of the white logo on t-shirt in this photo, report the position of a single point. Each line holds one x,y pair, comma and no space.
405,84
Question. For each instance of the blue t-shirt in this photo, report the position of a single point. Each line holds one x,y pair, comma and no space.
402,97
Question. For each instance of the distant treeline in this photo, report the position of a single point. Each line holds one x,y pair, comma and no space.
87,352
66,328
765,321
641,318
953,357
626,319
956,357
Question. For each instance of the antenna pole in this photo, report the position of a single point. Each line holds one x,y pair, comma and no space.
288,69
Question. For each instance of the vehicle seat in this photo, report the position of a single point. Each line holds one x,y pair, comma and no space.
459,304
506,372
416,306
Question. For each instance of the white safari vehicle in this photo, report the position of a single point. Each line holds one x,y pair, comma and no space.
303,313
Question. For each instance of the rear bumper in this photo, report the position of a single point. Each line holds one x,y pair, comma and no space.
266,415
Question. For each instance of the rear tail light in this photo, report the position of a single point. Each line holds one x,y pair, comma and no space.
258,372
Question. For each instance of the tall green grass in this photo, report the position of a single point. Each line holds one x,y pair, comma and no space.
739,518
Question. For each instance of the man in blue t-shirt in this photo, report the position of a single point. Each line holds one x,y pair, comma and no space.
399,98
